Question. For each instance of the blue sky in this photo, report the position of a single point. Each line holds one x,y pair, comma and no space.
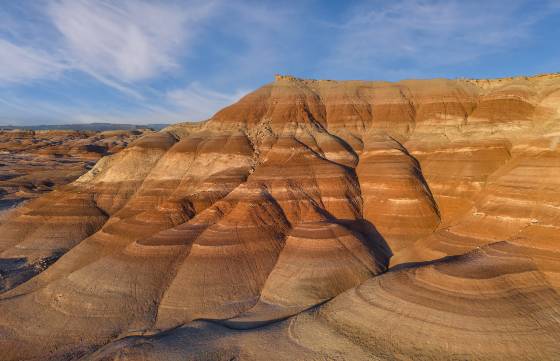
131,61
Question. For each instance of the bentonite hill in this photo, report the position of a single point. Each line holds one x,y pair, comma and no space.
311,220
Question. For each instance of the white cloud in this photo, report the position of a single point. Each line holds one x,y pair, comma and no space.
428,33
199,103
119,44
126,40
22,64
16,110
115,42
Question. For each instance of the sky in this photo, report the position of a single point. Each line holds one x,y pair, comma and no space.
133,61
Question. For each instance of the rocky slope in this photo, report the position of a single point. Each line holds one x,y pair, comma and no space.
312,220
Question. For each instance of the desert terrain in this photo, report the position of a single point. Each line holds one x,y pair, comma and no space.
311,220
36,161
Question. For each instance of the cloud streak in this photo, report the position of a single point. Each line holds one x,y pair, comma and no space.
21,64
125,40
201,102
417,34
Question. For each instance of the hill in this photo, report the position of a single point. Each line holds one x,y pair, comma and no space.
311,220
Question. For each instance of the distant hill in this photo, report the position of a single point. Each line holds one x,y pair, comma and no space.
88,126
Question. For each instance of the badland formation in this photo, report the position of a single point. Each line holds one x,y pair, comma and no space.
311,220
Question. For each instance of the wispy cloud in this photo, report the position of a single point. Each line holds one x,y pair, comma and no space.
126,40
15,110
23,64
122,45
422,34
114,42
200,102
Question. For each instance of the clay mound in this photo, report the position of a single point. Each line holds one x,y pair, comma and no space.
310,220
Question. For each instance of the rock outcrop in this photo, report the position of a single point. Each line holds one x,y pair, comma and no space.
311,220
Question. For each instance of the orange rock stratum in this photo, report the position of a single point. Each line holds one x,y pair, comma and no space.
311,220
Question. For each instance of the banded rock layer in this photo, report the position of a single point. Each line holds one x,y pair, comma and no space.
310,220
